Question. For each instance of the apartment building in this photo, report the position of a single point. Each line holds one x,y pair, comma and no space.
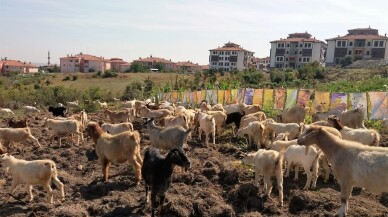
84,63
230,57
7,66
360,44
188,66
119,64
152,61
261,63
296,50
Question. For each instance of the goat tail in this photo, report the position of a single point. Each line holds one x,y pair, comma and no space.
376,138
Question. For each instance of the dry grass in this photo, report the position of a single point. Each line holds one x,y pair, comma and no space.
85,81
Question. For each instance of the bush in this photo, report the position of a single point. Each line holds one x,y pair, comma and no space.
109,74
92,70
133,90
67,78
277,76
75,77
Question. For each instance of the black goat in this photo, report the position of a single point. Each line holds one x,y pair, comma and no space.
58,111
157,171
234,117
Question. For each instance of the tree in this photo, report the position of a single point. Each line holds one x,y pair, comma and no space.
346,61
160,66
138,67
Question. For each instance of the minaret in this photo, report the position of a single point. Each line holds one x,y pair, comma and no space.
48,58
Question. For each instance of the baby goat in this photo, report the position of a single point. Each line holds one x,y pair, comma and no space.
157,171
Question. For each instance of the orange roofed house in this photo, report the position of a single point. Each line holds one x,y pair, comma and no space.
119,65
84,63
297,50
360,44
152,61
188,66
7,66
230,57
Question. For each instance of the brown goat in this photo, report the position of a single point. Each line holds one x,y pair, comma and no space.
17,123
116,149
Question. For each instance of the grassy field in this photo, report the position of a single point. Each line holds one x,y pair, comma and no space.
117,84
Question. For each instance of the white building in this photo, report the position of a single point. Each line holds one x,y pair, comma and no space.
230,57
360,44
84,63
261,63
296,50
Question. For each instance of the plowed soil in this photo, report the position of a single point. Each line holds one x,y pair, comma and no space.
216,185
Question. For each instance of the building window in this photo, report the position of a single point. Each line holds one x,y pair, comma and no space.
214,52
341,43
287,52
300,52
358,52
221,58
300,59
220,63
350,43
368,52
301,45
296,52
288,45
226,58
369,43
378,43
286,58
280,45
307,45
214,63
337,61
279,59
350,52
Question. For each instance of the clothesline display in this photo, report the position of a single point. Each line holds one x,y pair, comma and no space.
318,101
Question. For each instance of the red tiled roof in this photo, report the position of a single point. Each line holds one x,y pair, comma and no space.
230,47
298,40
186,64
350,37
17,63
205,67
117,60
153,59
85,57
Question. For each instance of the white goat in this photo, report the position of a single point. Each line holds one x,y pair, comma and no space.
219,118
353,164
62,127
179,120
114,129
291,129
232,108
6,111
256,134
296,155
207,124
103,105
269,163
36,172
30,109
364,136
148,113
9,135
167,137
73,104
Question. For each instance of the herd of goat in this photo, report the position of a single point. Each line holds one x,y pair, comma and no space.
337,144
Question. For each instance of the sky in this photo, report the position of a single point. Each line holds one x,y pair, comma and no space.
179,30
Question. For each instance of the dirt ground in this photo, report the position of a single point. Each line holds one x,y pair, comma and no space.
216,185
